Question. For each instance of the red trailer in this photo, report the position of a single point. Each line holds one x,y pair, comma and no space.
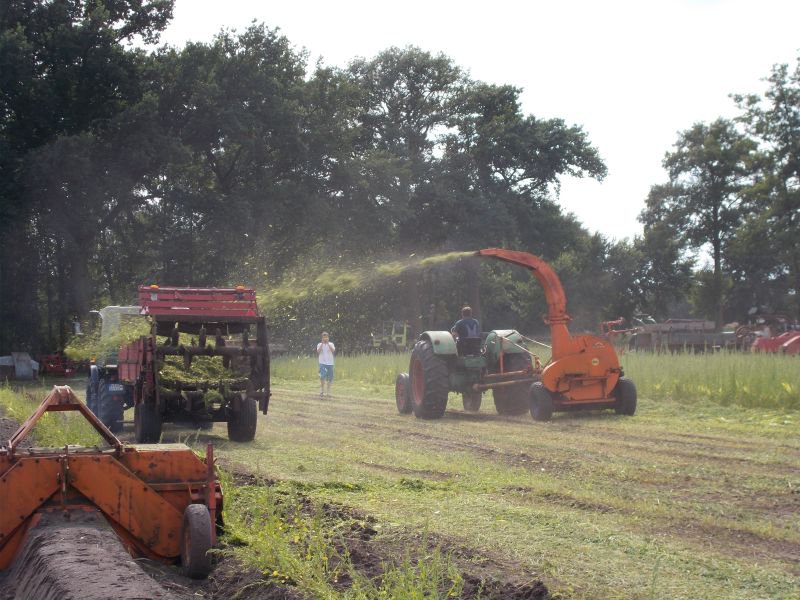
191,324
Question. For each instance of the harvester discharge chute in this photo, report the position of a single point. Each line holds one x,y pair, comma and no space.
162,501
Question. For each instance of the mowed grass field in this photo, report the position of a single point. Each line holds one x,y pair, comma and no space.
696,496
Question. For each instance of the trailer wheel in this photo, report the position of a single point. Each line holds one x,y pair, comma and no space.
472,401
402,393
429,382
242,424
109,410
541,402
146,422
625,393
196,541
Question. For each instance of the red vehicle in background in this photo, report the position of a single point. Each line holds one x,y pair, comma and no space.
56,365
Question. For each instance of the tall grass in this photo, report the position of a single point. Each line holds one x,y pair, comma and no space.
728,378
54,429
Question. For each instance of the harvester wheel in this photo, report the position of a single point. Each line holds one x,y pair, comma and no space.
472,401
402,394
196,541
541,402
109,410
146,422
625,393
429,382
242,424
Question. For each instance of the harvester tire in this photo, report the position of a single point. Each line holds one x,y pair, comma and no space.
146,422
472,401
109,410
196,541
91,397
541,402
242,424
402,394
625,393
429,382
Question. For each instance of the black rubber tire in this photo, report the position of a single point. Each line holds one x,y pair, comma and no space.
109,410
429,382
91,397
513,400
472,401
242,424
541,401
196,541
625,393
402,394
146,423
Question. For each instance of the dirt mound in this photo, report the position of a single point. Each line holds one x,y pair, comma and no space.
82,559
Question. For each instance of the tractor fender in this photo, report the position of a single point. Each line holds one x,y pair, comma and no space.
509,339
442,342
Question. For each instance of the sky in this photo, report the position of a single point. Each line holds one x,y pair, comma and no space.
632,74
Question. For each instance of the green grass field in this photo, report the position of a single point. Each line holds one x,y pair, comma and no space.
696,496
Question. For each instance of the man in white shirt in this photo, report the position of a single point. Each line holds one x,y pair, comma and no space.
325,351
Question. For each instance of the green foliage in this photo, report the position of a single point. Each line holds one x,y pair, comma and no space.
293,541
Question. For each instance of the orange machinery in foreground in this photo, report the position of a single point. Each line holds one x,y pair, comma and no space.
162,500
584,370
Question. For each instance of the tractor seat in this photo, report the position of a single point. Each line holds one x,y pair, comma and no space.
468,346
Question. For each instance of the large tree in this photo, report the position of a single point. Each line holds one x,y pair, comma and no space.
703,202
774,230
66,70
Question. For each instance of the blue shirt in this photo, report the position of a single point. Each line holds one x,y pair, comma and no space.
466,328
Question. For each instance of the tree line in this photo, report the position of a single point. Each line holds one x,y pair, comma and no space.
235,161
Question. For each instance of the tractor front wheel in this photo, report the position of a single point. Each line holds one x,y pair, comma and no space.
429,382
109,409
472,401
402,394
625,393
242,423
146,422
541,402
196,541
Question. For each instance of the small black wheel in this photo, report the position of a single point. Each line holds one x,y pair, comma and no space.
429,382
146,422
625,393
196,541
242,423
402,394
541,402
472,401
109,406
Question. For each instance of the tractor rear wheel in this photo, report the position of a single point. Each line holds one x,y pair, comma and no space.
242,424
429,382
146,422
472,401
196,541
625,393
513,400
510,400
109,409
402,393
541,402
